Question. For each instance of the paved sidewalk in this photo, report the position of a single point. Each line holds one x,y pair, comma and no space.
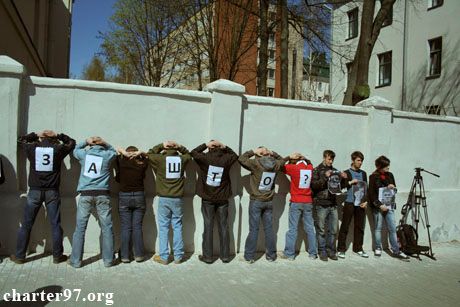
354,281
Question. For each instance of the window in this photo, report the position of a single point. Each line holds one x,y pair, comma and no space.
272,16
271,37
271,91
384,69
320,86
389,19
271,54
271,73
353,23
434,4
433,109
435,46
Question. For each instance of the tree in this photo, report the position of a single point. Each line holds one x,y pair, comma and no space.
284,27
95,70
357,85
137,43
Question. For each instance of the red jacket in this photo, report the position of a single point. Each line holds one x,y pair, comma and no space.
300,187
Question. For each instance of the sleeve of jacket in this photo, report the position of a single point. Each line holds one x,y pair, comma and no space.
79,151
26,140
232,156
68,144
198,155
154,155
185,155
318,182
2,174
280,161
246,161
345,182
373,192
366,195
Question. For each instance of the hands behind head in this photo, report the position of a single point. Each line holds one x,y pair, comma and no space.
47,133
170,145
214,144
95,140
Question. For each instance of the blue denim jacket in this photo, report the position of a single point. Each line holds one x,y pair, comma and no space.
95,166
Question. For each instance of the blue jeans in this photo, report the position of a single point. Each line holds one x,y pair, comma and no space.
170,213
326,217
104,212
35,198
258,209
389,217
131,208
295,211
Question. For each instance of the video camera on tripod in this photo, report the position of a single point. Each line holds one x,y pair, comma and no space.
407,234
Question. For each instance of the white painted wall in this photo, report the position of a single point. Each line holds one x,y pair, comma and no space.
422,24
144,116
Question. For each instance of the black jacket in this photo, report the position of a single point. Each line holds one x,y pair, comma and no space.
321,195
375,182
219,158
47,174
2,174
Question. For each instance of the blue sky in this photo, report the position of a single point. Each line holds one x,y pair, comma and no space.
88,18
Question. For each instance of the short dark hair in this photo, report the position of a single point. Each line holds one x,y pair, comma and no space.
131,148
357,154
382,162
329,153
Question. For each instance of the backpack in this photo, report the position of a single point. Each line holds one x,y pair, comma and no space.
408,238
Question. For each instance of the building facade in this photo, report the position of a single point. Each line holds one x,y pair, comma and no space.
36,33
184,73
414,64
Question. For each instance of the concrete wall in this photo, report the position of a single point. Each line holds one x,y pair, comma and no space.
146,116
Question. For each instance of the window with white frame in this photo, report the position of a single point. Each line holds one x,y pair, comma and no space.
320,86
353,23
435,3
435,46
271,73
271,54
384,69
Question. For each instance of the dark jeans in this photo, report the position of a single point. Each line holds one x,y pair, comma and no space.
131,208
258,209
209,210
351,211
35,198
326,218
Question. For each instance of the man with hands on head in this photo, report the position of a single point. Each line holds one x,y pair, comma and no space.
45,151
263,168
168,160
95,157
214,188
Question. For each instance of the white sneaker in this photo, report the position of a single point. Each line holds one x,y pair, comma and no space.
364,254
341,255
378,252
402,255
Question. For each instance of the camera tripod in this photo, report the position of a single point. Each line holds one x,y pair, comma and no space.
416,199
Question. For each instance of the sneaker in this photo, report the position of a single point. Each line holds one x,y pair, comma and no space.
378,252
225,260
401,255
333,257
17,260
323,257
249,261
59,259
160,260
341,255
139,259
283,256
205,260
269,259
124,260
312,257
178,261
363,254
